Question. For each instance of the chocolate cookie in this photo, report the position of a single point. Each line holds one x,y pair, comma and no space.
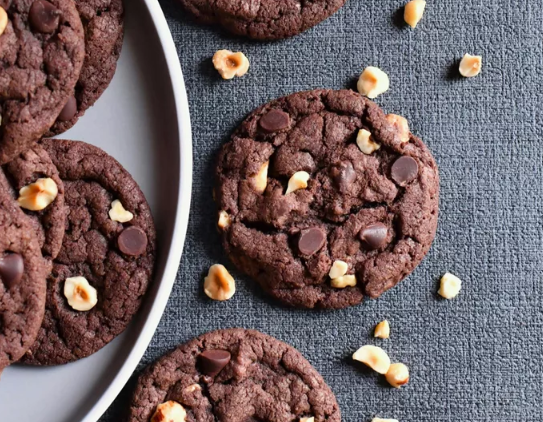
41,53
106,261
263,19
40,194
22,280
233,375
103,23
320,181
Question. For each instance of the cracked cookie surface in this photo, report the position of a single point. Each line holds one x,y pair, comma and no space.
41,54
22,280
377,212
103,25
262,379
263,19
49,223
92,249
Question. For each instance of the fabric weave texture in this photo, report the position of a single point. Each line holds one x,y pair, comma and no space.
477,357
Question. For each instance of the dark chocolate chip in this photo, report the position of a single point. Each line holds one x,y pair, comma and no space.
132,241
69,110
404,170
11,269
43,16
311,240
374,236
213,361
274,120
343,175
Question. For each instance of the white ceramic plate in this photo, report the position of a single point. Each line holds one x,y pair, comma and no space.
143,121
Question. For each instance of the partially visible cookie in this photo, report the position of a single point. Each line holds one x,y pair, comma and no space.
40,194
233,375
263,19
22,280
326,198
103,24
105,265
41,53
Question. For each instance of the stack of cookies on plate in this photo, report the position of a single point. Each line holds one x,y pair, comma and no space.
77,239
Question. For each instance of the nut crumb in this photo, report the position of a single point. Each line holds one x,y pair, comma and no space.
38,195
470,66
382,330
450,286
373,82
219,284
339,269
383,420
170,411
297,181
311,419
260,180
401,125
397,375
3,20
192,388
230,64
224,220
413,12
343,281
80,294
366,143
118,213
374,357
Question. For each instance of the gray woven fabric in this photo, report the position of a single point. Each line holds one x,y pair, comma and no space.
477,358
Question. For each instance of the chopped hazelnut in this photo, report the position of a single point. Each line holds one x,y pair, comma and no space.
470,65
192,388
260,180
230,64
450,286
382,330
38,195
219,284
297,181
343,281
80,294
224,220
3,20
383,420
311,419
413,12
397,375
118,213
401,125
339,269
373,356
373,82
366,143
170,411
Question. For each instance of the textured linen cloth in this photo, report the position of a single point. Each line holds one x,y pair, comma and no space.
475,358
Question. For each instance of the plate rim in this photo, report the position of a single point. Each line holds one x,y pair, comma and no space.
173,260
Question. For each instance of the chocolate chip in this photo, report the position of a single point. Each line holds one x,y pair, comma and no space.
343,175
43,16
132,241
404,170
11,269
213,361
374,236
274,120
311,240
69,110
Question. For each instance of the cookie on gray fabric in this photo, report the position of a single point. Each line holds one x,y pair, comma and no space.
103,23
41,53
263,19
115,258
28,171
234,375
376,211
22,280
